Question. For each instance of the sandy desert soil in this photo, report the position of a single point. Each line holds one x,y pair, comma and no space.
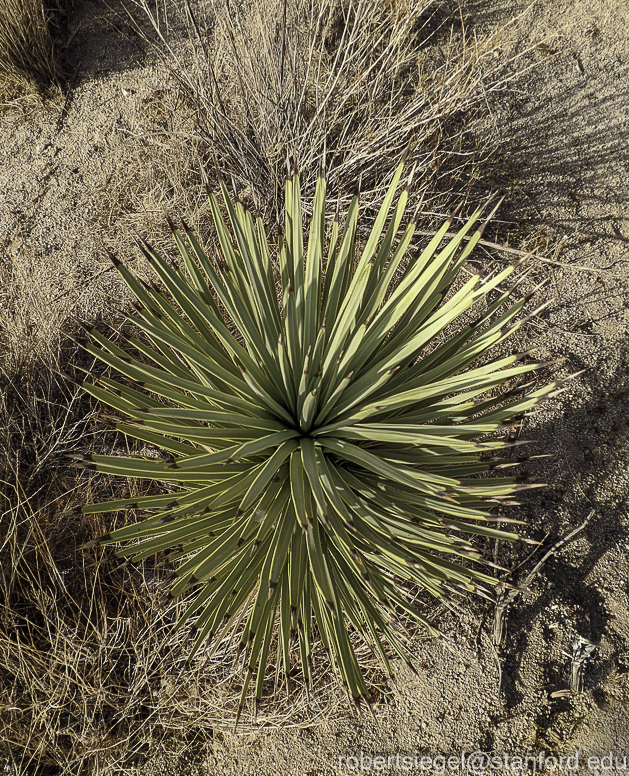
560,135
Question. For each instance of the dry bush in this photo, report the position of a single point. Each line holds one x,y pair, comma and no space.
269,80
254,83
29,52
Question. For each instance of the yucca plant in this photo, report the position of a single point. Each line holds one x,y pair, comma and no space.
321,441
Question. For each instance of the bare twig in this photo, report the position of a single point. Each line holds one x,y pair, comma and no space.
506,597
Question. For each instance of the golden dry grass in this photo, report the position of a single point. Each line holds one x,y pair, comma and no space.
357,81
29,49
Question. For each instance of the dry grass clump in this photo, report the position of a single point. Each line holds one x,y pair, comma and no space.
29,49
362,80
254,83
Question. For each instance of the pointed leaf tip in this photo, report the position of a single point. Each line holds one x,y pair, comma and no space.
358,186
114,259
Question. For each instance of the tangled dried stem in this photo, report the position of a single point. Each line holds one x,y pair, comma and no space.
277,80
